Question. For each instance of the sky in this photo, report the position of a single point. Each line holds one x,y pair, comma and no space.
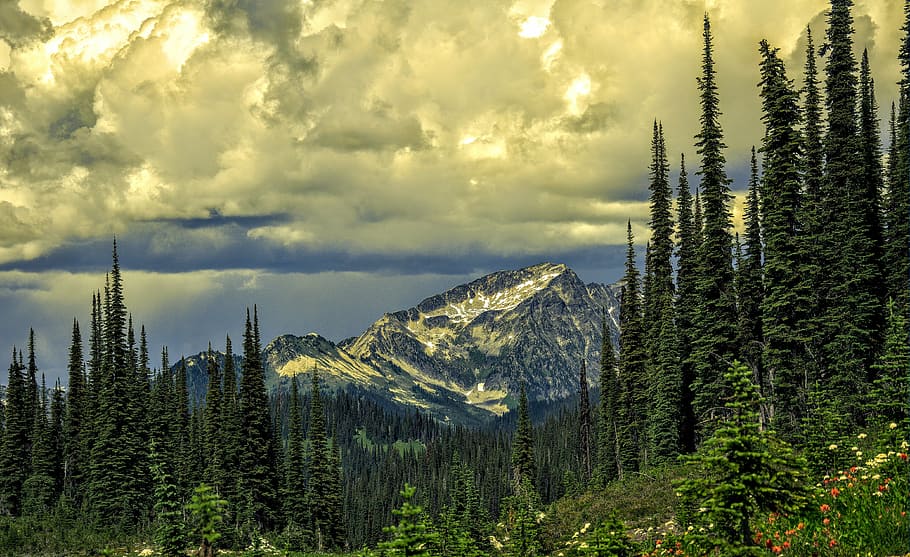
334,160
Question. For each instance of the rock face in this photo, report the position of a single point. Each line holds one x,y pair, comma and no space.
463,354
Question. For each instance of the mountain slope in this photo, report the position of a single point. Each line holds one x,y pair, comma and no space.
463,354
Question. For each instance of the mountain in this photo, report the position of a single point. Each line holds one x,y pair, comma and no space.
463,354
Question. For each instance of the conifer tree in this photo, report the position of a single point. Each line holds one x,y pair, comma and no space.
749,286
686,308
76,439
810,217
585,450
664,418
293,497
661,243
321,473
213,450
180,430
897,216
169,532
231,439
740,472
715,325
871,151
888,397
15,457
782,274
55,428
523,465
410,537
632,358
607,418
853,320
31,387
38,493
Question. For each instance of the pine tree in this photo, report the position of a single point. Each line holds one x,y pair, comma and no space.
607,418
76,440
322,474
888,398
256,459
169,529
661,243
896,219
810,216
231,436
749,286
38,493
897,216
871,150
293,497
585,450
523,465
782,274
715,325
410,537
180,426
853,319
213,450
55,428
740,472
686,308
632,358
664,418
15,457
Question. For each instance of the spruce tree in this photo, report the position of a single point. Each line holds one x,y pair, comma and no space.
715,324
686,308
213,449
410,537
585,433
608,416
293,497
781,147
256,459
888,398
231,436
632,358
38,493
523,466
896,218
320,473
15,457
871,151
813,228
661,243
665,388
740,472
56,432
749,286
76,440
853,321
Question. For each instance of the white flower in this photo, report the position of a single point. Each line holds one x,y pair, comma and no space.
832,447
861,436
892,425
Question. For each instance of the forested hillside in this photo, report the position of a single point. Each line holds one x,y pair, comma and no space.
756,402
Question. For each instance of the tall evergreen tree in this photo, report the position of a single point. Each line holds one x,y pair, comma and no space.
661,223
781,147
632,359
523,466
256,458
213,450
813,228
585,427
665,388
38,493
294,497
14,453
686,309
76,440
55,427
31,386
871,151
897,210
854,318
749,287
231,432
715,326
608,417
323,513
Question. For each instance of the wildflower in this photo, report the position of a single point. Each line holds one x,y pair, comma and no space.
801,525
861,436
835,492
905,445
882,487
832,447
892,425
495,543
876,476
824,508
877,494
832,543
585,527
826,521
786,544
776,549
902,456
854,448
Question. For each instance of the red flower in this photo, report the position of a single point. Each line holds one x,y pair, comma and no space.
776,549
826,521
786,545
835,492
824,508
882,487
832,543
903,456
801,525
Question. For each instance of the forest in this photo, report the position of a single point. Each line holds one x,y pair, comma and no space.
758,402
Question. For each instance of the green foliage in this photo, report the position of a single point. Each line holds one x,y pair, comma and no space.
607,448
519,528
632,374
740,472
411,536
169,528
523,468
206,510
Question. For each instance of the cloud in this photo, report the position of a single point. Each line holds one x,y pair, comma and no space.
373,128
